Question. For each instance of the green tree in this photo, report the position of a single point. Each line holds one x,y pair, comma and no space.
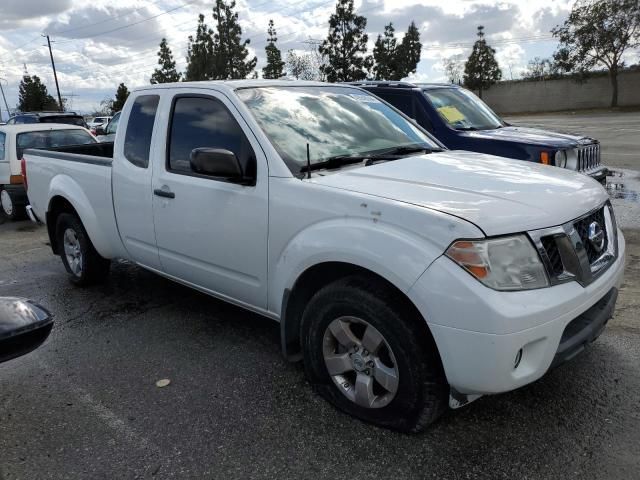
200,57
301,66
167,72
121,96
346,45
481,70
33,95
230,51
598,32
275,65
408,52
385,55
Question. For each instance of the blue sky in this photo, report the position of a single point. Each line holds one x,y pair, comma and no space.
100,43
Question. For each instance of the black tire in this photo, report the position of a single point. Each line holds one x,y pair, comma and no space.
93,268
422,392
18,211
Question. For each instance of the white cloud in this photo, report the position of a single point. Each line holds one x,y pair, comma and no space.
96,46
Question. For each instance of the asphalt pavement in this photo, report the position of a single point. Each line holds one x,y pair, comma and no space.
86,405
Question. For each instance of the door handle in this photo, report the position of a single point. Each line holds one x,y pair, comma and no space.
162,192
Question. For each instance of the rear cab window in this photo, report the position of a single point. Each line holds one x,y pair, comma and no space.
137,140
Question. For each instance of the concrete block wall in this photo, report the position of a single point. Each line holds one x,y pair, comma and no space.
562,94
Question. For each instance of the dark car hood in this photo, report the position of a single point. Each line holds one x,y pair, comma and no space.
532,136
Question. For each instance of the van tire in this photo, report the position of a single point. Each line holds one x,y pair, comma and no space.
12,209
83,263
421,390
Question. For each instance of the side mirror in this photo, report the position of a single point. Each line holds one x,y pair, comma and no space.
216,162
24,325
100,130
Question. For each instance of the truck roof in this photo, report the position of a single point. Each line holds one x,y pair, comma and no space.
231,85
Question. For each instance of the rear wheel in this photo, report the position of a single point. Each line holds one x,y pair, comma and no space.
10,206
367,353
83,263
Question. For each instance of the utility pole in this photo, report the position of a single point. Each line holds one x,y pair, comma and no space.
55,76
5,101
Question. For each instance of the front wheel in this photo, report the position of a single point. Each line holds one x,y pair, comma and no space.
83,263
367,353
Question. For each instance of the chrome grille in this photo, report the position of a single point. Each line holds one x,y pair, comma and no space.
572,251
588,156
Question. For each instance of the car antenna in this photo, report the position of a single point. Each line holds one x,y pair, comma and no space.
308,162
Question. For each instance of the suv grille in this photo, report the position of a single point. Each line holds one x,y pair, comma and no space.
588,156
581,249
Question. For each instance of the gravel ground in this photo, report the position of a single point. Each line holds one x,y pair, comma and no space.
85,405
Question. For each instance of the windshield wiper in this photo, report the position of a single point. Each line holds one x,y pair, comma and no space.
335,162
390,154
404,149
467,129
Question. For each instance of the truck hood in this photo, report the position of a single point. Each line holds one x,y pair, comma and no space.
531,136
498,195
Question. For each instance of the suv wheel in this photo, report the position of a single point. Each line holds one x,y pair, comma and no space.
367,354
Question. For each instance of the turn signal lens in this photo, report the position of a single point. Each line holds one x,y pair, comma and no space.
544,158
15,179
505,263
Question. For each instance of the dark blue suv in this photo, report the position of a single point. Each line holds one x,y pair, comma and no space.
461,121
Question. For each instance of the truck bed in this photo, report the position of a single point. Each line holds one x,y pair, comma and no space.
80,174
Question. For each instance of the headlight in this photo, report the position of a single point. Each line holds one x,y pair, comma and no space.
572,159
561,159
505,263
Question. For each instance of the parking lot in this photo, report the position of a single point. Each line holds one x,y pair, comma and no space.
85,405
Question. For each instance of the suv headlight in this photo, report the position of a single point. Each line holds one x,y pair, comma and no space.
504,263
561,159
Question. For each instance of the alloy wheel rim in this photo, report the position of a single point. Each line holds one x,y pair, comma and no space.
360,362
7,204
72,251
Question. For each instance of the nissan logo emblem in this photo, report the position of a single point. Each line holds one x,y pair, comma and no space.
596,236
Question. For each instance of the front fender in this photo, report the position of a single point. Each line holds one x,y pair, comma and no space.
398,255
96,223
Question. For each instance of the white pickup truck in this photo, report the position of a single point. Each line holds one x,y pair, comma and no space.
407,277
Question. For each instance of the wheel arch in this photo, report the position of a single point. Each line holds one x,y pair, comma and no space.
57,205
313,279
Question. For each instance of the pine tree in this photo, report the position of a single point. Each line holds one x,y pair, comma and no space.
408,53
384,55
121,96
230,52
167,72
481,70
33,95
346,45
200,57
275,65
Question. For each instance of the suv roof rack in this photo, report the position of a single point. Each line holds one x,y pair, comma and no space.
385,83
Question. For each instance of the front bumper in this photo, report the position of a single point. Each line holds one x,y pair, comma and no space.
480,332
598,173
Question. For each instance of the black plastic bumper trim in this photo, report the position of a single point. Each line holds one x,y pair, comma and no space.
585,329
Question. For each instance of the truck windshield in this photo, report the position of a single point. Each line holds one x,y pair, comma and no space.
462,110
52,138
335,121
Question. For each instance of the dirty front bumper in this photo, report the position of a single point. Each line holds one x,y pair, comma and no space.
493,342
